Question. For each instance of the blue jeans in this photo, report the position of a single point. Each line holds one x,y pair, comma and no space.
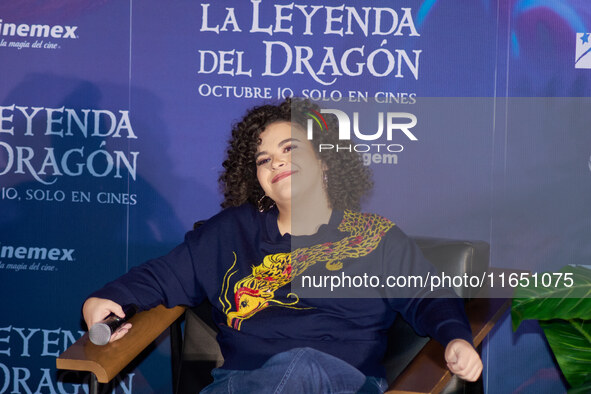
297,371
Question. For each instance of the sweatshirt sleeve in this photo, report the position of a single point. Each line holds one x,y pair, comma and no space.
443,319
169,280
439,314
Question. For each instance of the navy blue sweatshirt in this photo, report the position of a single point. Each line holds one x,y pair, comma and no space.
250,273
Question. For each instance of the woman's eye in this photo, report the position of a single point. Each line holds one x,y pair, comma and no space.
289,148
262,161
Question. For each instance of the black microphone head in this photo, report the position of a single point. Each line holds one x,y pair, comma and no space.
100,334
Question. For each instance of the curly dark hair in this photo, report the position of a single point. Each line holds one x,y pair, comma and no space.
347,179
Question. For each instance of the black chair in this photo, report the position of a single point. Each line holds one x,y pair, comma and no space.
201,353
413,363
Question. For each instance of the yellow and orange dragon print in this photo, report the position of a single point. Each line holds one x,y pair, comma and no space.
256,292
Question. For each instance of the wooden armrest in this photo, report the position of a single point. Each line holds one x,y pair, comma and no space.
427,373
107,361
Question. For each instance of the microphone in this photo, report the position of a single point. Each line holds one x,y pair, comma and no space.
100,333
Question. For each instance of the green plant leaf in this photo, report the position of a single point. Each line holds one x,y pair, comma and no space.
570,341
585,388
564,312
558,301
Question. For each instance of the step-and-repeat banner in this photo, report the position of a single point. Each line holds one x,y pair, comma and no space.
114,116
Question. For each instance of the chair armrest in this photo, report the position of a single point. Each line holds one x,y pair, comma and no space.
427,373
107,361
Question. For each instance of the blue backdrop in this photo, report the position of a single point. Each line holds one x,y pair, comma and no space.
114,117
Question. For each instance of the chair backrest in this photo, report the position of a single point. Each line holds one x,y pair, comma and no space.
456,257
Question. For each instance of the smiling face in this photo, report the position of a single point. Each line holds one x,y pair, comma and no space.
288,168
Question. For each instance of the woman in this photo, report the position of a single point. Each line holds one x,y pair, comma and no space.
290,211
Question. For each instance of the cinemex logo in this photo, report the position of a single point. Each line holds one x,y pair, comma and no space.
583,51
390,123
37,31
36,253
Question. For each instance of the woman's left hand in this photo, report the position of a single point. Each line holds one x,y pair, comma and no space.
463,360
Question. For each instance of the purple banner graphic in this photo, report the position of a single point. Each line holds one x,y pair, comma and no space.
115,115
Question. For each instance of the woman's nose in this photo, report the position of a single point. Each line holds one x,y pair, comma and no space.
277,162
